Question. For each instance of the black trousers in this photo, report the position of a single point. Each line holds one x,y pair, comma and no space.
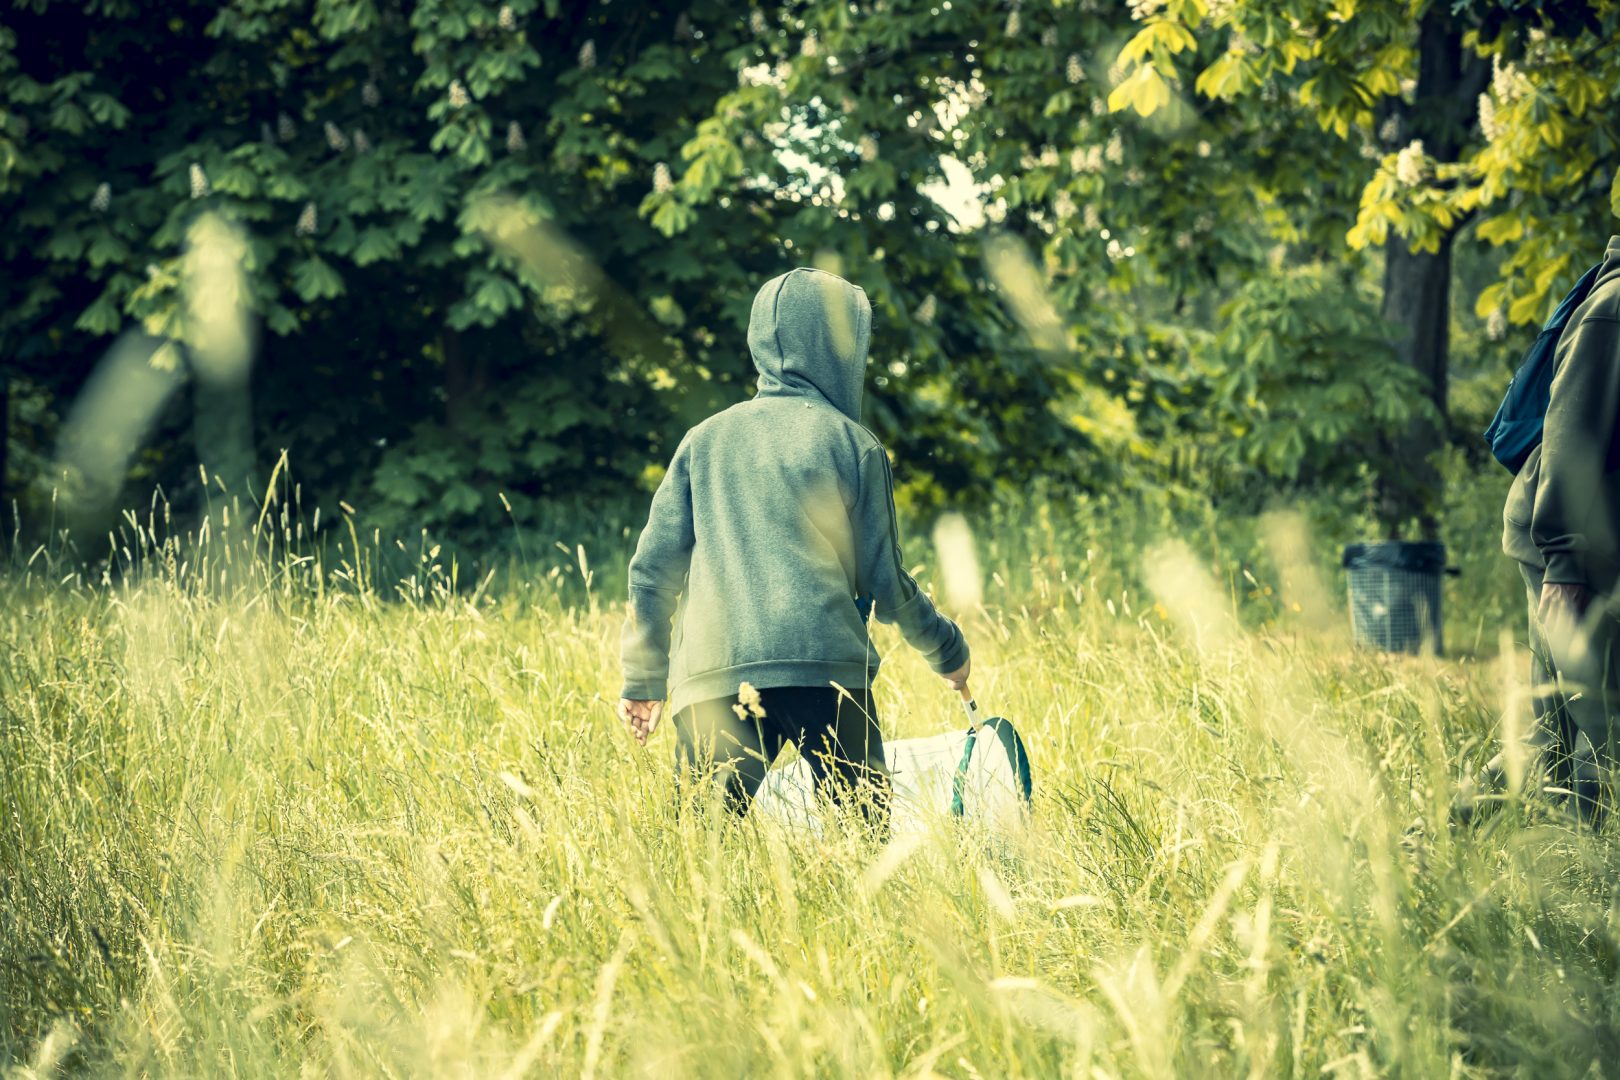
835,731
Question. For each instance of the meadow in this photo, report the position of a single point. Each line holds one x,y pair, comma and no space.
271,809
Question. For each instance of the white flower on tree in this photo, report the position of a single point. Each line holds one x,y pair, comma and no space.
1496,325
1487,117
1410,163
307,220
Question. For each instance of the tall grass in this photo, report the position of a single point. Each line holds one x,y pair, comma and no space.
269,810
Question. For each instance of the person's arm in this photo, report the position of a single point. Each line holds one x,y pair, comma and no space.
1575,447
657,577
895,596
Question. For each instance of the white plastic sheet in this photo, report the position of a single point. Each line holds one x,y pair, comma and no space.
921,775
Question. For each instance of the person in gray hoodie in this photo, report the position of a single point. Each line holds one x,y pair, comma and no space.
770,540
1561,524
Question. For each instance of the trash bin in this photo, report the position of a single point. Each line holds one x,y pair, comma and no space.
1395,594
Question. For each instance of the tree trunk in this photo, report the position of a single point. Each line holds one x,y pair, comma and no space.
5,437
1417,285
464,382
1417,298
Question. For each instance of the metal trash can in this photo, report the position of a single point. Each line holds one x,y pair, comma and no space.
1395,594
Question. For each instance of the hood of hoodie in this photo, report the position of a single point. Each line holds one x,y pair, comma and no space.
808,333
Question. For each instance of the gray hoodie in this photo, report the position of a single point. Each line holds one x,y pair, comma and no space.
775,518
1563,510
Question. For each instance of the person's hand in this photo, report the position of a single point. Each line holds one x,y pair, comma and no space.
959,678
1562,607
642,716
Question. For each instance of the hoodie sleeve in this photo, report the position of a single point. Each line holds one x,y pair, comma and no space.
1575,447
895,596
657,577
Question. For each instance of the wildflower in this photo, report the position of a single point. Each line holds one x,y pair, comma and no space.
306,220
1013,23
1074,70
458,95
1487,117
1496,325
869,148
285,128
1091,218
507,19
587,55
927,310
199,181
748,705
1063,205
1099,107
335,138
1115,151
757,23
102,198
1409,164
1049,38
370,94
514,137
662,183
809,46
361,143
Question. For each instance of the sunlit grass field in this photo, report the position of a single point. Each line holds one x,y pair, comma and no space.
271,811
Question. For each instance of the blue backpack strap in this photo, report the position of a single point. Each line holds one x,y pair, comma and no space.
1517,427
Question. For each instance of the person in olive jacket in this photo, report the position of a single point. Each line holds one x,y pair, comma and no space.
1561,524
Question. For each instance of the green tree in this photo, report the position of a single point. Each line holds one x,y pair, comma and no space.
1461,110
500,254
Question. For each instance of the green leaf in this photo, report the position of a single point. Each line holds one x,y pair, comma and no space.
313,279
673,216
101,317
376,244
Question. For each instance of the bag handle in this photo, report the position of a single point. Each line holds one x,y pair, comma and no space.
970,706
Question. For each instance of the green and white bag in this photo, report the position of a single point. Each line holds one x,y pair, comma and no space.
979,775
